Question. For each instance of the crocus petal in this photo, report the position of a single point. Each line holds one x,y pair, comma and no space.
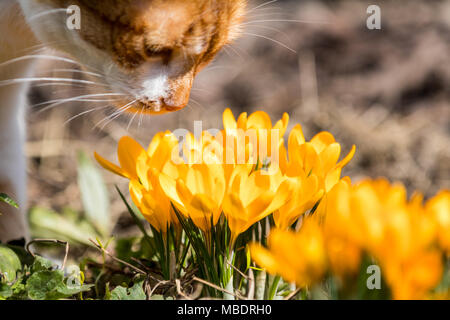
329,156
203,203
264,257
332,178
129,151
242,121
154,144
282,124
321,140
110,166
347,158
235,213
169,186
229,122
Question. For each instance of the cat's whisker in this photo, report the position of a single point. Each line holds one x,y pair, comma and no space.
84,113
58,85
51,57
37,56
260,16
239,51
131,120
115,114
66,101
235,51
78,97
56,80
225,49
285,20
59,102
262,5
141,117
271,39
197,104
80,71
115,117
44,13
274,29
200,90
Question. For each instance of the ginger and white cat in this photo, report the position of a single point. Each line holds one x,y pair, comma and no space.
146,52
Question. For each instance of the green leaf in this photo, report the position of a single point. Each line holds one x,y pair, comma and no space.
160,297
9,264
136,292
7,199
43,285
49,224
41,264
5,291
94,194
50,285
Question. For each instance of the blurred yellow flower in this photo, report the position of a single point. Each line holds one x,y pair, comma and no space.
305,194
318,157
439,209
143,169
298,257
253,195
342,235
375,217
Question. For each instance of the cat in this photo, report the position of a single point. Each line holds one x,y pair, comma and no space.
145,54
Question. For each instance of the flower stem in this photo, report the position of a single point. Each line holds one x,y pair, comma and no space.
260,285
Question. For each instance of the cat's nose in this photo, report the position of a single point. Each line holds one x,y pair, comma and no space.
158,105
155,104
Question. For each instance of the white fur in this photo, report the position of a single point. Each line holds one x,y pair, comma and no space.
12,124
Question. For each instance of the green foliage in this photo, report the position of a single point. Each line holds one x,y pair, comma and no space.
40,281
9,264
51,285
94,195
8,200
136,292
67,226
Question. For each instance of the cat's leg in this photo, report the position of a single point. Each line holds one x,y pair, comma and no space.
12,163
15,39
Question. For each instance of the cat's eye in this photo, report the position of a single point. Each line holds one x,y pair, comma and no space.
164,53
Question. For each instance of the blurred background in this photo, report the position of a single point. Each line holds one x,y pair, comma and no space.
387,91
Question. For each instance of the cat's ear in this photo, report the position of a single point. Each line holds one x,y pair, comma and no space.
237,15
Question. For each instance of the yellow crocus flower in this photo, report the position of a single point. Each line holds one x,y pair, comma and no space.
255,130
128,151
143,169
198,191
343,237
319,157
253,195
375,217
438,208
298,257
305,195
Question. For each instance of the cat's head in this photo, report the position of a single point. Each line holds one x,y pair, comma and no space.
149,50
